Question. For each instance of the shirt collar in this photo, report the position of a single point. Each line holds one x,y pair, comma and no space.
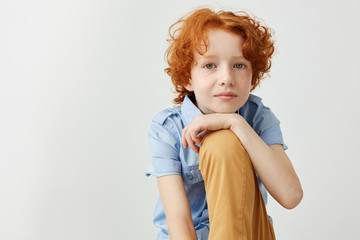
189,111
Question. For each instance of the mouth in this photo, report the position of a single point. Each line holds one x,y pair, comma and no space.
226,96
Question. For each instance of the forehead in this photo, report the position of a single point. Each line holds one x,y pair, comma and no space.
220,42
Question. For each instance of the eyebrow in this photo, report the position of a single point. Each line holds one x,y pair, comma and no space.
214,56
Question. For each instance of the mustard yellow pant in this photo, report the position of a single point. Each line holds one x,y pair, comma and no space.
236,207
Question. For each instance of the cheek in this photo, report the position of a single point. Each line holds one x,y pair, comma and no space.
245,80
249,77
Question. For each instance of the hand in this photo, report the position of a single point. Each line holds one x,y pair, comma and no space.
201,126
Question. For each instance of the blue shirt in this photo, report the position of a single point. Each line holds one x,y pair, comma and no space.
169,157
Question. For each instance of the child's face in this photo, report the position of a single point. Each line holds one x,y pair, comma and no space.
221,78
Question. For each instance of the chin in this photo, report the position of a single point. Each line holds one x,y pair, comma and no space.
220,108
226,110
229,109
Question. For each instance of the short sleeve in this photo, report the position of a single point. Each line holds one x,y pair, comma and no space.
267,126
164,148
273,135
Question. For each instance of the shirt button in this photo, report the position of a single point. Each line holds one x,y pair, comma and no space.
189,176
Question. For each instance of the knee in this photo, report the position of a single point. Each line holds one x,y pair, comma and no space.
223,146
221,141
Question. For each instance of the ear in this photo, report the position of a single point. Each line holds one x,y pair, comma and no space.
189,86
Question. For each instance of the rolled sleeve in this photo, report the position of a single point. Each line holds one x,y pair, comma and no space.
267,126
164,148
273,135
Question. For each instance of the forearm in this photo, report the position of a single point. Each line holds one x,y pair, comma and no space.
177,208
274,168
181,229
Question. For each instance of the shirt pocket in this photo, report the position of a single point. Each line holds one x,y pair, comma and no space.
191,174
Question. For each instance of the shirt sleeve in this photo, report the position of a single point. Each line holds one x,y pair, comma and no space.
268,126
164,148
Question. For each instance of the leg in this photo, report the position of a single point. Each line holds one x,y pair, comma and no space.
236,207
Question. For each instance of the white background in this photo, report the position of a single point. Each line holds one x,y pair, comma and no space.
81,80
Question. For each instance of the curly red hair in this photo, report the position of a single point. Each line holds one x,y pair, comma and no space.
189,34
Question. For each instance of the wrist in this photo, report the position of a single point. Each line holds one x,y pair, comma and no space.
239,126
235,121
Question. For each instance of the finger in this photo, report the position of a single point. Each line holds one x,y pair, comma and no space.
194,136
194,147
203,134
191,142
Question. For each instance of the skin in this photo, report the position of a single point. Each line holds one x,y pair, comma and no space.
221,78
221,82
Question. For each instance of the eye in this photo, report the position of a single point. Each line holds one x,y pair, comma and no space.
239,65
209,66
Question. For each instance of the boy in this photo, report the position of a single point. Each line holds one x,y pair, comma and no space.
214,155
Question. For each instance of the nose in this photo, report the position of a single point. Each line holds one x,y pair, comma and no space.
226,76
